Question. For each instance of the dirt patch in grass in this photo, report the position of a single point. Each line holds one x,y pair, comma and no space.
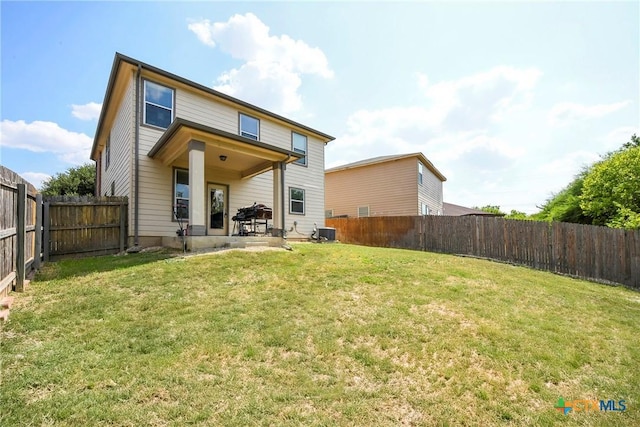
321,335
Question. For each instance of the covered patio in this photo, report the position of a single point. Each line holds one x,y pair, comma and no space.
200,147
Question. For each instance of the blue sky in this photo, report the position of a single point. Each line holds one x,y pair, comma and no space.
507,99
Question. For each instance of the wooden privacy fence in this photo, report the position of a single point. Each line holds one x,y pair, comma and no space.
590,252
33,229
84,225
20,219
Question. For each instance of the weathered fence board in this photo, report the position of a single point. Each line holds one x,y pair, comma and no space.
18,229
595,253
84,226
32,229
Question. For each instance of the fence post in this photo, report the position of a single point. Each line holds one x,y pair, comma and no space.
46,224
38,236
123,234
552,248
424,232
21,236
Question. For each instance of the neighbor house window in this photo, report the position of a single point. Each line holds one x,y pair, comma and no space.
158,105
299,145
107,152
424,209
249,127
296,201
420,170
328,213
363,211
181,194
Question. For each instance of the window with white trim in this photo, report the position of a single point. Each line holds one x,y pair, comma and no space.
249,127
328,213
180,194
158,105
107,152
296,201
424,209
299,145
420,173
363,211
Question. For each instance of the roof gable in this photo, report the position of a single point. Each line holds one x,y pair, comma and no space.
390,158
121,61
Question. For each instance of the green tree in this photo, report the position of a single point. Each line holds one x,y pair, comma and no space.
565,205
494,209
75,181
611,190
491,209
514,214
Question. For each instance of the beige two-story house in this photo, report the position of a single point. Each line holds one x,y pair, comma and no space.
189,157
397,185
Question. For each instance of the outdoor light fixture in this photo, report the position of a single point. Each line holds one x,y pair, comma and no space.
223,157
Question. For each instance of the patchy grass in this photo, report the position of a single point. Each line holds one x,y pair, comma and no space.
323,335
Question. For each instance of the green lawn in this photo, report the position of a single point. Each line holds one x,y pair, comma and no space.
323,335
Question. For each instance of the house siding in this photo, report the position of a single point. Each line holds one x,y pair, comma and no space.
121,141
311,179
156,179
430,192
199,109
389,189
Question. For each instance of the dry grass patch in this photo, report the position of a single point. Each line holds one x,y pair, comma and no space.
323,335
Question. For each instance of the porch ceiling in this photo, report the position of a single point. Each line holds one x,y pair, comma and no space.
243,155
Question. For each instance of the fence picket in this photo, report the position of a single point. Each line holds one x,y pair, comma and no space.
590,252
86,225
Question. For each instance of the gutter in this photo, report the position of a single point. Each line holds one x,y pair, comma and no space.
283,165
136,199
220,95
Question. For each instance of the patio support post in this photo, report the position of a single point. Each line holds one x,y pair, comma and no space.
278,199
197,205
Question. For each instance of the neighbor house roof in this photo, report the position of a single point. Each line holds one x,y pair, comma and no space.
123,59
391,158
450,209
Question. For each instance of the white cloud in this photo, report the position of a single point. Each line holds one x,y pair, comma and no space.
452,123
475,101
567,112
619,136
273,65
458,127
40,137
90,111
202,30
35,178
277,89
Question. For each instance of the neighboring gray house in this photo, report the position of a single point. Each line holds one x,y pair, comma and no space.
178,148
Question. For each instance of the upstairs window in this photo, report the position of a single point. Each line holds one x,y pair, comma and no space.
249,127
158,105
420,173
181,194
299,145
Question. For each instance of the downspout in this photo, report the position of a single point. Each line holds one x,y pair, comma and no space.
136,200
283,166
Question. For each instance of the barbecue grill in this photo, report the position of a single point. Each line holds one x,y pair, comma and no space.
249,220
